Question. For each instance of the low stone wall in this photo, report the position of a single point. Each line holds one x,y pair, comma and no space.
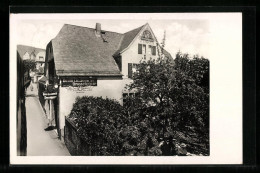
75,145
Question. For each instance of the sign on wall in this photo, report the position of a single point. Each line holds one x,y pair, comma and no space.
78,82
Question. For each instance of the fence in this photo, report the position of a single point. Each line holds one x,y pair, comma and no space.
75,145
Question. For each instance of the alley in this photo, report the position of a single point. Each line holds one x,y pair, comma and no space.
39,141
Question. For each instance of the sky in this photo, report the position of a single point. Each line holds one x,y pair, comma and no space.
187,35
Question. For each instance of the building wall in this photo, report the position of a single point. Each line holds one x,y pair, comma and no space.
32,56
131,55
39,62
26,56
22,83
42,53
106,87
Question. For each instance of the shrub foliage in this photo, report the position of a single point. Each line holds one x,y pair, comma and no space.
172,102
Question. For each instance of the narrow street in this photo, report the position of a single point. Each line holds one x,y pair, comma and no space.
39,141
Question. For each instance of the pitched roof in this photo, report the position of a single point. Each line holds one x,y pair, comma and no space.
22,49
127,39
77,50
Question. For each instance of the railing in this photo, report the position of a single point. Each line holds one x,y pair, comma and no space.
75,145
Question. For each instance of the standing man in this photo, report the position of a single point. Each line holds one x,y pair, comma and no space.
166,147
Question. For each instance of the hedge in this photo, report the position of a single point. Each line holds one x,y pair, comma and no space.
105,126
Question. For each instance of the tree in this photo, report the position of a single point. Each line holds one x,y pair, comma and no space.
29,65
197,67
174,89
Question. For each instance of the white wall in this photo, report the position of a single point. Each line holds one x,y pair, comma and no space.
42,53
106,87
32,57
131,55
26,56
110,88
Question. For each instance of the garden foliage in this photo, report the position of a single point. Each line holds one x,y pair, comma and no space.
29,65
172,102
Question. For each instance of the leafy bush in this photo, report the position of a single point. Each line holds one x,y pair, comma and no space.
173,102
110,129
29,65
98,121
178,91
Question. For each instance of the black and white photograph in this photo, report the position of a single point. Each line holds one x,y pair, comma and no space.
150,87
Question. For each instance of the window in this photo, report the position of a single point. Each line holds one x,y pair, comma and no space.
149,50
129,70
139,48
153,50
147,36
40,57
144,48
132,68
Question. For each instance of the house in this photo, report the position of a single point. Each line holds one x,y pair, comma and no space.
23,81
40,59
29,52
86,61
34,54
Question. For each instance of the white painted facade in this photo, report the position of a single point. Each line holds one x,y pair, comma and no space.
26,56
107,87
40,59
130,54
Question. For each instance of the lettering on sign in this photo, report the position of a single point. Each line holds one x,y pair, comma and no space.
79,89
78,82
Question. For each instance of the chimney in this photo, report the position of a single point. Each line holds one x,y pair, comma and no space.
98,29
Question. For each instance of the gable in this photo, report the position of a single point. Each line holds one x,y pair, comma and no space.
78,51
26,55
147,35
27,51
40,56
127,39
143,33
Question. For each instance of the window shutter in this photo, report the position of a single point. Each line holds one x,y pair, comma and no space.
154,50
130,67
139,48
130,70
